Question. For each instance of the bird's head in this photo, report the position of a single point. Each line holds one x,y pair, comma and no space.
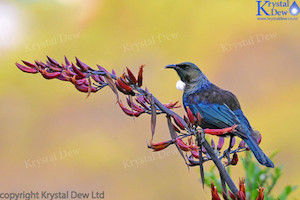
188,72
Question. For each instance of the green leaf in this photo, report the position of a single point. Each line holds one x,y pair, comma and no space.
286,191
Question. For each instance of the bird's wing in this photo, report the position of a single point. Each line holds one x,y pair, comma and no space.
215,107
217,115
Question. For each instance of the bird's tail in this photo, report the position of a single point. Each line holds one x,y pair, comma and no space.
258,153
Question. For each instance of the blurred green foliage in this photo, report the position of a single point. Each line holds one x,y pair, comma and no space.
255,176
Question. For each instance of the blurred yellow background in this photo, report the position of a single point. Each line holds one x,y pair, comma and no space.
91,144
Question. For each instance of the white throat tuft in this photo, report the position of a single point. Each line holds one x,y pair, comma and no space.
180,85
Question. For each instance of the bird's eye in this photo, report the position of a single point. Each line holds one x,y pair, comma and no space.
184,66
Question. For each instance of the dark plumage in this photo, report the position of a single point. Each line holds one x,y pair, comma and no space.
219,108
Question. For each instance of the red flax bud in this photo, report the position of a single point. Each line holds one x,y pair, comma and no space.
261,195
113,72
29,64
232,196
141,101
160,145
26,69
129,112
214,192
78,72
97,78
178,122
85,88
53,67
140,76
48,75
134,106
53,61
67,61
77,82
190,115
131,77
176,128
242,191
182,145
127,88
172,105
234,159
102,69
220,131
195,153
120,88
82,65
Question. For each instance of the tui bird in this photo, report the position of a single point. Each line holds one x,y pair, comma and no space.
218,108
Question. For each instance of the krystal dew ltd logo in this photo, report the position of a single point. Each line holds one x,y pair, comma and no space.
280,10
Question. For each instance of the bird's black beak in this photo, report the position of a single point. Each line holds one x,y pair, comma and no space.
172,66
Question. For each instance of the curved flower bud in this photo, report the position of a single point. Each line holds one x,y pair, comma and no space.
178,122
190,115
160,145
85,88
67,61
176,128
26,69
125,87
199,118
53,61
120,88
131,77
48,75
220,131
182,145
82,65
134,106
195,153
214,192
140,76
261,195
242,191
129,112
172,105
232,196
78,72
